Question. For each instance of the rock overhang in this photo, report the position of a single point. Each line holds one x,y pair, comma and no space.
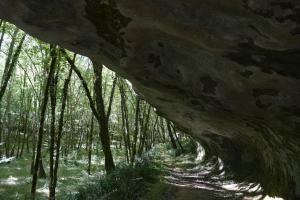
227,72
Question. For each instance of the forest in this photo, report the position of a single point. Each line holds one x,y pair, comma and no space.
57,106
70,128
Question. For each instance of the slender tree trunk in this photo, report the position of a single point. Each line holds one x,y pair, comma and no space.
60,128
52,136
34,128
2,33
98,111
177,139
42,121
25,127
22,118
90,145
9,132
10,68
41,170
144,135
136,131
162,128
174,146
84,84
104,118
125,121
124,134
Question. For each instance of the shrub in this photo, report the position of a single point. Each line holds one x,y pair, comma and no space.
125,182
190,146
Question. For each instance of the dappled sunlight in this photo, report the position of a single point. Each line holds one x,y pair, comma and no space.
200,153
6,160
70,128
189,172
10,181
273,198
43,190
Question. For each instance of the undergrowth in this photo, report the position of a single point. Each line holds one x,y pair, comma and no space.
188,146
126,182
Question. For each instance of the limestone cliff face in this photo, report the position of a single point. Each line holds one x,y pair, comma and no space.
228,72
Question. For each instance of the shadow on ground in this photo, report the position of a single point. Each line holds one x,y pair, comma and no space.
186,178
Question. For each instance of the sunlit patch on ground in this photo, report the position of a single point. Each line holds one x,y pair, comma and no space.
10,181
15,178
44,190
273,198
188,176
6,160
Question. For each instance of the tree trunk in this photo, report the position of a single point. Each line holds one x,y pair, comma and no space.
144,131
90,145
41,171
10,66
60,129
42,121
2,33
173,142
98,111
52,135
104,118
125,121
177,139
136,131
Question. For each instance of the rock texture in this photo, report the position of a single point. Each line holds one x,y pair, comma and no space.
228,72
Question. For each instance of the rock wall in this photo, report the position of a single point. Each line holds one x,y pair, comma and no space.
228,72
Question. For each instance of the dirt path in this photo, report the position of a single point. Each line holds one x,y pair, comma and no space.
186,178
189,181
191,193
187,185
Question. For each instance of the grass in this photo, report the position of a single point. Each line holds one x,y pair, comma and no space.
140,181
15,178
126,182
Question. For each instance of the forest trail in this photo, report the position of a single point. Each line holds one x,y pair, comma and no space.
191,194
186,179
187,182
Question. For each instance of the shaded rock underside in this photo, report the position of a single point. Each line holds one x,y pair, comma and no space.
227,72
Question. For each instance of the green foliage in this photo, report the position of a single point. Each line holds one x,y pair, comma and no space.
189,146
125,182
135,129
